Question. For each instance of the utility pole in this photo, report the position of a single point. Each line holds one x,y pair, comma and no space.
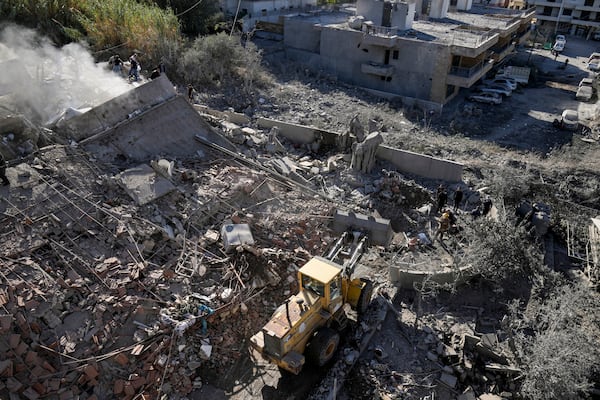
560,11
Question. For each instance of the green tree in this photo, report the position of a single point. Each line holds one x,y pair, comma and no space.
196,17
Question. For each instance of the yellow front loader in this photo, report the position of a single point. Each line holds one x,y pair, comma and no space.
307,325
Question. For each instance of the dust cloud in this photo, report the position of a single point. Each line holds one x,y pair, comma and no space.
43,80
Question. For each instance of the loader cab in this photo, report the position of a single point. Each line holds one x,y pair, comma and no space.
323,278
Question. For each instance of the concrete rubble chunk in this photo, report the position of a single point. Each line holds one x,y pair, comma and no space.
234,235
448,379
143,184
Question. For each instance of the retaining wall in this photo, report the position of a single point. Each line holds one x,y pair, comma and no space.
421,164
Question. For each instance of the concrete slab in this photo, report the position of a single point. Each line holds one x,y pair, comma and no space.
421,164
235,235
143,184
22,176
379,229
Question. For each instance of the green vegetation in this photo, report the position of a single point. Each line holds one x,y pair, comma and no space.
196,19
220,59
104,24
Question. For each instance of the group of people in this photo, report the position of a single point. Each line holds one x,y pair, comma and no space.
116,64
447,219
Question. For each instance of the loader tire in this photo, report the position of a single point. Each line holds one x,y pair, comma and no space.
365,297
322,346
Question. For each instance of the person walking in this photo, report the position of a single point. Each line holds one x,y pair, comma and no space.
458,196
117,65
444,225
5,180
133,71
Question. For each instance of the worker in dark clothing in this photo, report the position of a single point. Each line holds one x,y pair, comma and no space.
487,206
442,197
458,196
5,180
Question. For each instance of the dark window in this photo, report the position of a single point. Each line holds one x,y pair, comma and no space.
585,15
589,3
449,90
547,11
386,59
567,11
395,54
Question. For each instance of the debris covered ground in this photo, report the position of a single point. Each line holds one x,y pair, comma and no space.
117,280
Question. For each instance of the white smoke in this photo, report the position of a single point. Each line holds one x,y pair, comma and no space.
46,80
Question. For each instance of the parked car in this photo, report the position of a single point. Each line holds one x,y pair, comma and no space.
558,47
486,97
594,62
561,39
596,35
509,83
568,120
586,89
502,90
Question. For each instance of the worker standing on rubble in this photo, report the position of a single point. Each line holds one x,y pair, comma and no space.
487,206
458,196
444,222
5,180
133,71
442,197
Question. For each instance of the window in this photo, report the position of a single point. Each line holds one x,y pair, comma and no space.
585,15
313,285
589,3
567,11
334,289
449,90
547,11
395,54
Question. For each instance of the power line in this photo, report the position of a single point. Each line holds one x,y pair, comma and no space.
181,13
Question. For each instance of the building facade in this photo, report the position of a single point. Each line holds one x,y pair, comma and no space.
573,17
397,48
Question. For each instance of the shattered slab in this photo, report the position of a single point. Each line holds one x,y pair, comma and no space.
143,184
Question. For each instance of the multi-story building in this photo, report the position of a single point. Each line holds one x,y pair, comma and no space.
574,17
422,51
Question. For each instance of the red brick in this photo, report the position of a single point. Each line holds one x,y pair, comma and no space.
14,340
32,359
92,382
5,322
46,365
82,379
38,372
53,385
39,387
128,389
66,395
90,371
6,368
118,387
21,349
137,381
31,394
13,385
122,359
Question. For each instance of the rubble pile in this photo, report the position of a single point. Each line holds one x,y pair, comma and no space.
451,356
103,295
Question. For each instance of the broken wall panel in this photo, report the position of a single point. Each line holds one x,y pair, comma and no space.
421,164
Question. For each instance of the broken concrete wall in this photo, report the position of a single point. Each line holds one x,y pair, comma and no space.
422,165
109,114
379,229
169,129
299,133
231,116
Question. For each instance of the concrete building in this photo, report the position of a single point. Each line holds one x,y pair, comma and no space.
252,12
400,49
573,17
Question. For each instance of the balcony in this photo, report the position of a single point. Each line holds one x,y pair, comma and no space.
467,76
380,35
501,52
373,68
472,43
585,22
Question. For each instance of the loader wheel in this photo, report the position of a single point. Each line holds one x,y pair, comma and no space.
322,346
365,297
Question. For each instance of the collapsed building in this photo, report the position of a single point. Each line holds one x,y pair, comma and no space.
144,249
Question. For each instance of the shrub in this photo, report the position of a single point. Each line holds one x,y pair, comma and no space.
556,342
220,60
